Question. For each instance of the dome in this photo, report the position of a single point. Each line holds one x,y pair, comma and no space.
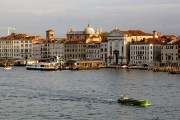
89,30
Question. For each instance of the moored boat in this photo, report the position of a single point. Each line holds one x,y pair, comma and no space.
7,67
130,101
122,67
42,66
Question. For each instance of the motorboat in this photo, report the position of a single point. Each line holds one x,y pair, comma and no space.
7,67
42,66
130,101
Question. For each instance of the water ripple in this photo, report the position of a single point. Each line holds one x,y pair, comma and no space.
87,95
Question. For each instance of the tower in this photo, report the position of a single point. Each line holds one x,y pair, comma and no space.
50,35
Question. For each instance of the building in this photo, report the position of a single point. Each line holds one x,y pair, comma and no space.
104,51
119,43
74,50
93,51
56,48
88,35
37,50
18,46
52,46
170,53
145,53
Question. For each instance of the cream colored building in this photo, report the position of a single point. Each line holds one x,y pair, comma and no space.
88,35
148,53
119,43
18,46
170,53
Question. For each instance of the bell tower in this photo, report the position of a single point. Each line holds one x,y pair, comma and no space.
50,35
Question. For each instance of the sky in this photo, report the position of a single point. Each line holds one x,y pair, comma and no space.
35,17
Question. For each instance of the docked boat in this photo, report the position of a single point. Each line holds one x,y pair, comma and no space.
122,67
42,66
129,101
7,67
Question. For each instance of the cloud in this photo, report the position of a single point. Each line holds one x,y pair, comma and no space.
61,14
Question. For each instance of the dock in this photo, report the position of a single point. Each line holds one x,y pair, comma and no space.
171,70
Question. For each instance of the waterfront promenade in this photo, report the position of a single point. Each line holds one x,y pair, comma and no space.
171,70
168,69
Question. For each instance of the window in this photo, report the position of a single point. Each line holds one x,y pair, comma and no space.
101,49
105,49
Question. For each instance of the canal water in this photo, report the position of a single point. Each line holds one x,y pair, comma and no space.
87,94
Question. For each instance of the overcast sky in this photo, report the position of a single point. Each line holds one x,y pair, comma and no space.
36,16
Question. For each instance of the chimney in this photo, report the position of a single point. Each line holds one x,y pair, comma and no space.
155,34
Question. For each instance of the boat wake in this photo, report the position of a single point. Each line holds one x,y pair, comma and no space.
85,99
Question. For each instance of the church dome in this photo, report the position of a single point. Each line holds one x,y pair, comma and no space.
89,30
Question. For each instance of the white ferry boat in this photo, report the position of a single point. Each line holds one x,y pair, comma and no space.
42,66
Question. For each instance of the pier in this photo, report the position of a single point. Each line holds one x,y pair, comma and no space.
171,70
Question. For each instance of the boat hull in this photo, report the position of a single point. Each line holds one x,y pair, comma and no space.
133,102
44,69
122,67
7,68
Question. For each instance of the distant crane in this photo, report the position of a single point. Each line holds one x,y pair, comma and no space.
8,29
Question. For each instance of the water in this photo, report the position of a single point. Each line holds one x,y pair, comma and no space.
87,95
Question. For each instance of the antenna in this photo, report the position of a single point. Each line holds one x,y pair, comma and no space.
8,29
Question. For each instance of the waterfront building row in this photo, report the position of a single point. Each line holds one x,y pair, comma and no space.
120,47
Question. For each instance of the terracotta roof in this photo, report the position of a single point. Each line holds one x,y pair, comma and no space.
176,42
134,33
59,40
150,41
15,36
95,42
50,30
74,42
94,36
168,37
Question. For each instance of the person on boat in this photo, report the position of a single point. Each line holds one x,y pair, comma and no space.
124,97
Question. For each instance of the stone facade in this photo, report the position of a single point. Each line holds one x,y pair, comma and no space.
119,43
170,53
18,46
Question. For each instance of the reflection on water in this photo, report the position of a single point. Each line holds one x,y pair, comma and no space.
87,95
